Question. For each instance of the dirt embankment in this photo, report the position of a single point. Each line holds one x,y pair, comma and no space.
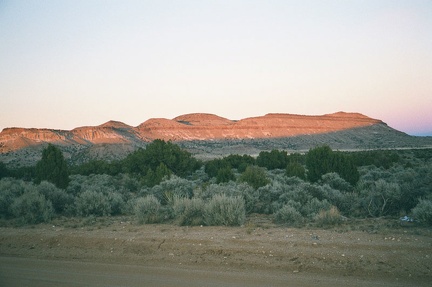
398,257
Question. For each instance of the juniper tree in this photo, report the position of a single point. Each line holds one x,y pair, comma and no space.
52,167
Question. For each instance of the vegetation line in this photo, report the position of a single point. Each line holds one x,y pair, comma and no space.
164,183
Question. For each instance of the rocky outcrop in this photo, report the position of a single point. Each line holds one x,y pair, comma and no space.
198,126
16,138
207,127
110,132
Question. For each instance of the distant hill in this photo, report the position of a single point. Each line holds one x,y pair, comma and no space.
208,135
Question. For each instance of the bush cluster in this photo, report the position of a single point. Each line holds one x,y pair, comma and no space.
219,210
32,207
189,211
147,209
423,212
164,184
225,210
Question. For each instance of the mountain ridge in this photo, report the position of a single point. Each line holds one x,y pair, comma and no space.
188,127
208,136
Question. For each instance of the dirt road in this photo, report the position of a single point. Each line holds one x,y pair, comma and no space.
16,271
36,272
122,253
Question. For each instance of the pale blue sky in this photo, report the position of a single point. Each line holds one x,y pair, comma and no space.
65,64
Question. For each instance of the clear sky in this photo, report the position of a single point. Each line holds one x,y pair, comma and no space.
65,64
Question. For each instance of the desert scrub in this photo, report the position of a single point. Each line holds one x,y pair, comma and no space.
58,197
254,176
116,202
32,207
380,198
189,211
232,189
10,190
172,187
92,202
289,214
314,207
334,180
225,210
328,217
423,212
147,209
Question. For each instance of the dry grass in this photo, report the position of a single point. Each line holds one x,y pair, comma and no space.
329,217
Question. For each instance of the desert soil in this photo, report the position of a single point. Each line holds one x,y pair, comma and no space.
119,252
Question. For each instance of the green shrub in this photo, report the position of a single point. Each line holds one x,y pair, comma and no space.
274,159
189,211
4,171
423,212
231,189
300,193
179,161
224,210
58,197
289,214
32,207
116,202
346,202
96,182
239,162
173,187
313,207
295,169
10,189
225,175
147,209
213,166
155,177
381,198
255,176
282,189
75,184
334,180
52,167
322,160
92,202
268,196
328,217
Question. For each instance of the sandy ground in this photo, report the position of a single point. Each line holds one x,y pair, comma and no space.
122,253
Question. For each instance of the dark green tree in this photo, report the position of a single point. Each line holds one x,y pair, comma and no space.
272,160
295,169
52,167
222,166
180,162
297,157
346,168
4,172
379,158
153,178
255,176
225,175
26,173
322,160
91,167
319,161
212,167
240,162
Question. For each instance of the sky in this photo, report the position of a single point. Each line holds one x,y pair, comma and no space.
65,64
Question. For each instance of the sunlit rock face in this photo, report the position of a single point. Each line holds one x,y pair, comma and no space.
207,126
198,126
